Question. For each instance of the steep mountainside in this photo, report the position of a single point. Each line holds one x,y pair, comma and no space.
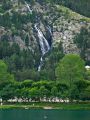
40,27
80,6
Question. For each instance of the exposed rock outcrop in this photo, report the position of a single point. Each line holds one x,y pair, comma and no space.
64,25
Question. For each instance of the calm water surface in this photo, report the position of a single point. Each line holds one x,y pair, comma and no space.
44,115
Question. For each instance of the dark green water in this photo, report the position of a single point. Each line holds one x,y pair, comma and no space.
44,115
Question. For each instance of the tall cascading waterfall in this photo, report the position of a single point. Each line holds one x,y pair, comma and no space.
44,45
43,42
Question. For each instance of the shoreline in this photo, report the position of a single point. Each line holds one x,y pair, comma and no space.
47,106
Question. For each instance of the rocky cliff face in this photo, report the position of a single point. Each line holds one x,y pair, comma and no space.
66,28
57,23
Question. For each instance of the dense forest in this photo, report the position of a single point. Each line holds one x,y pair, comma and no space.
72,82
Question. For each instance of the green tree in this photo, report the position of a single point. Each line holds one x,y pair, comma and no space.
87,75
26,83
27,40
70,69
34,94
7,92
80,90
43,92
86,94
83,42
4,75
63,90
54,92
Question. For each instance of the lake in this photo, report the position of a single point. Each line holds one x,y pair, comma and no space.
18,114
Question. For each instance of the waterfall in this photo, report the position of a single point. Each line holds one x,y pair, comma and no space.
44,45
28,7
49,34
40,65
43,42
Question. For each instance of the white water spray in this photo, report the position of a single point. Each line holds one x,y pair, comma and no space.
49,29
43,42
28,7
44,45
40,65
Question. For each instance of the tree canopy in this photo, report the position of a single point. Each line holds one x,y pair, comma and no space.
4,75
70,69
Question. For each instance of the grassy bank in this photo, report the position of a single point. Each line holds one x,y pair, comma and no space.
65,106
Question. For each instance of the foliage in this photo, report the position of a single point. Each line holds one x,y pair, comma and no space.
29,90
82,40
4,75
80,90
70,69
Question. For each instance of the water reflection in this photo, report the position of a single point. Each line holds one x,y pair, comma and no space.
44,115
